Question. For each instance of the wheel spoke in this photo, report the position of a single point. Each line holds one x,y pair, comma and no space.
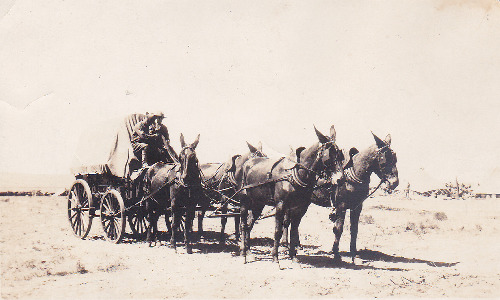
142,224
117,226
107,223
78,225
112,230
72,216
84,221
106,207
73,198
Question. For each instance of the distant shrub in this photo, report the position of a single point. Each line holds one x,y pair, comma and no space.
368,219
80,268
422,228
440,216
410,226
383,207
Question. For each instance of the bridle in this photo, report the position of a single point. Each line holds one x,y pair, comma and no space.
329,168
183,167
382,161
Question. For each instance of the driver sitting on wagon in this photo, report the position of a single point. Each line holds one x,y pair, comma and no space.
150,137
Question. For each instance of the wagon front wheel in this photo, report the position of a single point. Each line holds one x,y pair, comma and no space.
113,216
138,222
79,206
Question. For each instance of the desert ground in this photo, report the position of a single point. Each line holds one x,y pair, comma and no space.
423,247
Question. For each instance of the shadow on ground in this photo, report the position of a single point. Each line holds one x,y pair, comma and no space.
373,255
261,249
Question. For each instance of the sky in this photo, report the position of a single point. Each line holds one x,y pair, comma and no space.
426,72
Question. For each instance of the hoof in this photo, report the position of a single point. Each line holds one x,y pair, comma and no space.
357,261
189,251
337,259
295,260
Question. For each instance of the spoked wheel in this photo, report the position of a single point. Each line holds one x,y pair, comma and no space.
79,205
138,223
113,216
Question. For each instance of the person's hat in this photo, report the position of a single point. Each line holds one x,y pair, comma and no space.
159,114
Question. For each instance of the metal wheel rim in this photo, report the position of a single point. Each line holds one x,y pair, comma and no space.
113,216
79,203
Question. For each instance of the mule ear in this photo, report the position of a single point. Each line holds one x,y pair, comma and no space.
333,133
183,142
233,163
322,139
259,146
388,140
298,151
252,148
378,141
195,143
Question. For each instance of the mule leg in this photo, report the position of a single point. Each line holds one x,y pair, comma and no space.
278,230
150,231
338,227
295,218
201,215
354,216
254,216
175,223
188,229
237,228
223,222
167,222
244,230
286,224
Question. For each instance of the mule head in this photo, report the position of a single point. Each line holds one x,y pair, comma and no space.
329,153
190,172
385,162
256,151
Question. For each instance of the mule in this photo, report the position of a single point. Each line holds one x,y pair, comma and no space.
287,185
220,183
176,192
353,188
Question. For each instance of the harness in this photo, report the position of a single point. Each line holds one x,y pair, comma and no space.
351,176
293,177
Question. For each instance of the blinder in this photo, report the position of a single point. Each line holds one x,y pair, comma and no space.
329,159
184,164
386,158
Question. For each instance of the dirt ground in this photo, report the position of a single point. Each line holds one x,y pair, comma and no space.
423,247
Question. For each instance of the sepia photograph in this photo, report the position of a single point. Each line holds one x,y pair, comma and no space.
249,149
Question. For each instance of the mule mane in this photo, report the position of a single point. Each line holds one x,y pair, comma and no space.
363,162
309,154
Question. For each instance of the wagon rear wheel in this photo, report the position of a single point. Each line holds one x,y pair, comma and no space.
79,205
138,222
113,216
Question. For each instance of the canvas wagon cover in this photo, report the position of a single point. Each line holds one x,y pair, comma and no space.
106,149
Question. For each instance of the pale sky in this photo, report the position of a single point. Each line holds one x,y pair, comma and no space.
427,72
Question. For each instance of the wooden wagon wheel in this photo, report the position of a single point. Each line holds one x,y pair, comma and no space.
113,216
138,222
79,204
